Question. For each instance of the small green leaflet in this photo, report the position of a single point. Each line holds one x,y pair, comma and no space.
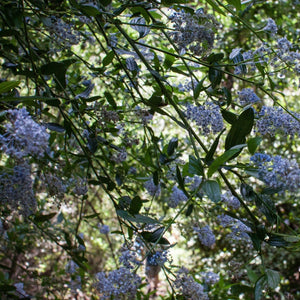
212,190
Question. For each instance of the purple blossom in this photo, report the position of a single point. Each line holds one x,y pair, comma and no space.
23,135
205,235
188,287
247,96
207,117
117,284
176,197
272,120
153,189
271,26
278,172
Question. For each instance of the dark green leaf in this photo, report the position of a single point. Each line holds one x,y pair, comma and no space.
240,129
277,241
179,178
212,190
259,286
235,3
6,86
55,127
195,166
215,6
219,161
273,278
238,289
256,241
189,210
215,75
173,144
215,57
108,58
253,143
229,117
153,237
210,154
135,205
110,99
43,218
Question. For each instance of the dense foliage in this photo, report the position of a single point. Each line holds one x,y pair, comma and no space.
149,149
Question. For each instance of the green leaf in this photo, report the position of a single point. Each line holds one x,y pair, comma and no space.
212,190
145,219
108,58
210,154
259,286
58,69
135,205
189,210
199,88
173,144
195,166
229,117
136,218
6,86
238,289
235,3
153,237
179,179
215,75
110,99
240,129
214,57
253,143
215,6
55,127
251,275
169,60
223,158
277,241
43,218
273,278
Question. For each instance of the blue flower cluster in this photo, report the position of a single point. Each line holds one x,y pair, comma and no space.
176,197
23,135
247,96
207,117
205,235
118,284
273,120
278,172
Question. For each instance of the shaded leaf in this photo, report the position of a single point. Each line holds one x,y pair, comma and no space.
43,218
212,190
259,286
55,127
240,129
195,166
6,86
273,278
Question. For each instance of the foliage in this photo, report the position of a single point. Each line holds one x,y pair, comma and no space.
149,138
